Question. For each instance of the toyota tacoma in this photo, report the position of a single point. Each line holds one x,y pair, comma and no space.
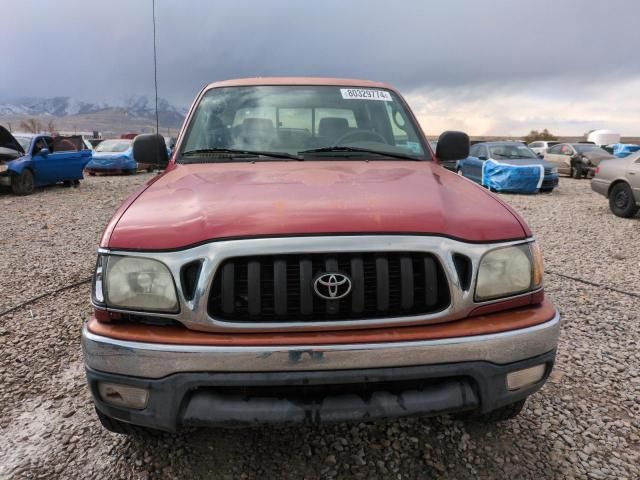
305,258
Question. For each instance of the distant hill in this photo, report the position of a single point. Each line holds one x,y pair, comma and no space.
137,113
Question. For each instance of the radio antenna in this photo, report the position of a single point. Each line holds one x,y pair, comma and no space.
155,63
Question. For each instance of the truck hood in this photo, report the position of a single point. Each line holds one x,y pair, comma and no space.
191,204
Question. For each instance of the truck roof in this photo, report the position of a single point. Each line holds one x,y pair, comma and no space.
352,82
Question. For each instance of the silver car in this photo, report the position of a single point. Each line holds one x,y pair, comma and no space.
578,160
619,181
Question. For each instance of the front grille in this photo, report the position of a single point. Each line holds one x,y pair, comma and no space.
547,171
280,288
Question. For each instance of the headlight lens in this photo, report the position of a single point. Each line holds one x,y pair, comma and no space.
3,168
508,271
140,284
554,171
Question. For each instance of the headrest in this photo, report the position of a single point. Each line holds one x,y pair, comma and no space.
332,126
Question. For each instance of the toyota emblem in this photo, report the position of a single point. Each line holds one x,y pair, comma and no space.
332,286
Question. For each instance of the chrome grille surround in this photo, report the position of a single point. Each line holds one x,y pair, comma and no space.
193,312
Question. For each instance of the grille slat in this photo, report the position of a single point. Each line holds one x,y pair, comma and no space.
357,285
279,288
228,284
406,274
431,287
253,288
382,283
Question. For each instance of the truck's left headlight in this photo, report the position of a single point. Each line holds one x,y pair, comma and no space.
509,271
136,283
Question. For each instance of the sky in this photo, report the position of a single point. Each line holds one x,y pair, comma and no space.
488,67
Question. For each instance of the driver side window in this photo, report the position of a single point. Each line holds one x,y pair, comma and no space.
39,145
555,149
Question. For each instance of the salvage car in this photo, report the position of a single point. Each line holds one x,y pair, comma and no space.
619,181
113,156
31,161
578,160
304,259
514,155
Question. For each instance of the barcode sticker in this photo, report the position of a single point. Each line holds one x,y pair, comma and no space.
365,94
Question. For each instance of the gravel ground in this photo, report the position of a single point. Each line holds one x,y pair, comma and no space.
585,423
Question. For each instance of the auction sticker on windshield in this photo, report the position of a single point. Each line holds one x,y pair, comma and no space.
365,94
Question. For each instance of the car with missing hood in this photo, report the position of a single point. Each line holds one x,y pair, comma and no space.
619,181
544,178
305,258
28,161
578,160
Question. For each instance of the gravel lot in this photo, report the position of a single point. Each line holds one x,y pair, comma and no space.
585,423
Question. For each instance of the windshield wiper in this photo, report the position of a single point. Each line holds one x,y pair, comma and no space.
337,148
239,151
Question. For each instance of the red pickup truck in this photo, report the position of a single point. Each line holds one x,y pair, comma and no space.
305,258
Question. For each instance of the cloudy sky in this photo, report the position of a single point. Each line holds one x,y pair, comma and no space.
484,66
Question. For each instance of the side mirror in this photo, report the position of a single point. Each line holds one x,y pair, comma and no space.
150,148
44,152
452,146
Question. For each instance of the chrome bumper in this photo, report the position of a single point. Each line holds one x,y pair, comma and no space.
150,360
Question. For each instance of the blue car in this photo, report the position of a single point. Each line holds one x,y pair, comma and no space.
501,156
113,156
29,161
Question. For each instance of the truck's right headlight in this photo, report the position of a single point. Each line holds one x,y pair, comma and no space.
136,283
509,271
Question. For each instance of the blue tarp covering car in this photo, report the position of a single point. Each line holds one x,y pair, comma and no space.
113,156
503,177
508,166
29,161
622,150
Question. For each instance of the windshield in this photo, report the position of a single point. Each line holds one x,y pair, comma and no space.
23,141
113,146
585,147
291,120
515,150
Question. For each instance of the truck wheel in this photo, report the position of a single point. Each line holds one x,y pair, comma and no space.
124,428
23,184
621,201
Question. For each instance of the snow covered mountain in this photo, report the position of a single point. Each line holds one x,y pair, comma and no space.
135,106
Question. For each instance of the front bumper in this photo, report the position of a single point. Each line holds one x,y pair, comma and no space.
222,385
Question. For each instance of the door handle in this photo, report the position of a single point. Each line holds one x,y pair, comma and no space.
632,173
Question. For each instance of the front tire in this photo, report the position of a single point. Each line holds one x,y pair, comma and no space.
23,184
621,201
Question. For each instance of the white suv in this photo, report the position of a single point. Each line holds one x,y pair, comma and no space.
541,146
